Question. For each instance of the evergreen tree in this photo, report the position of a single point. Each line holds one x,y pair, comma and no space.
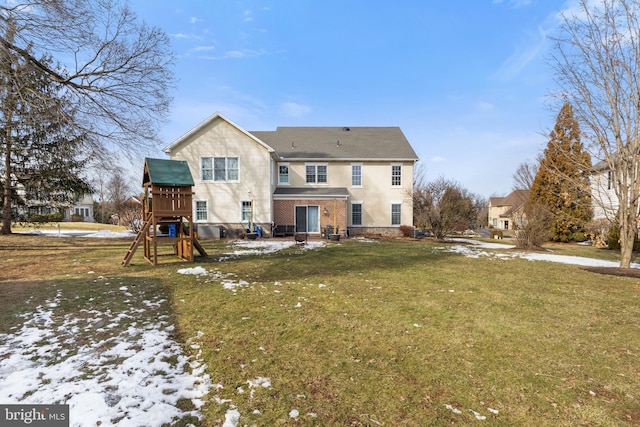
41,149
562,181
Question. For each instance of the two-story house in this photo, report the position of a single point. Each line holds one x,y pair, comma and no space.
505,213
357,179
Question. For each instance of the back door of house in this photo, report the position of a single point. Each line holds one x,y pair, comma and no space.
307,219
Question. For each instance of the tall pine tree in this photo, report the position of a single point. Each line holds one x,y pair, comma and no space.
562,182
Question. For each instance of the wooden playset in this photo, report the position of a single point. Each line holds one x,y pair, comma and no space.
167,212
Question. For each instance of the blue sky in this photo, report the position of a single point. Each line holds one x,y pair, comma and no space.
466,80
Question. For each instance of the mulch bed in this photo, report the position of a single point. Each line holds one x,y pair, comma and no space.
615,271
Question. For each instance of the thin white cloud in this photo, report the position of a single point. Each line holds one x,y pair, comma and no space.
236,54
203,48
180,35
195,20
485,106
523,56
294,110
437,159
515,3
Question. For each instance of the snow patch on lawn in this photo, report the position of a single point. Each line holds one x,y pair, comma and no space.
131,376
475,249
263,247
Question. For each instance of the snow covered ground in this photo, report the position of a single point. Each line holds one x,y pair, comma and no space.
108,373
101,234
476,249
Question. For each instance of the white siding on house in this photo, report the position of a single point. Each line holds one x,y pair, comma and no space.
376,188
221,139
604,199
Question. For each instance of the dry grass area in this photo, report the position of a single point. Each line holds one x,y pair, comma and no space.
378,333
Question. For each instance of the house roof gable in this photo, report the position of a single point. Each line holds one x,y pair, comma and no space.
208,121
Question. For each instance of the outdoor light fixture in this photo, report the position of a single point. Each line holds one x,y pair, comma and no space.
325,211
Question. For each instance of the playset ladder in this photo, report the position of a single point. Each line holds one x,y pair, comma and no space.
136,242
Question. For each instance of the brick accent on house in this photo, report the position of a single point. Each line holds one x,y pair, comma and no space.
284,212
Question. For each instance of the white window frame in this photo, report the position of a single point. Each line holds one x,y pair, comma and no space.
288,174
399,204
206,210
208,169
394,176
353,175
315,173
243,211
226,170
361,204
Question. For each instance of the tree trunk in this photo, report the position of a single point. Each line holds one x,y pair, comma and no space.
628,230
6,196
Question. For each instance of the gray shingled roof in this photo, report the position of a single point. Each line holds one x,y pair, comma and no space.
335,143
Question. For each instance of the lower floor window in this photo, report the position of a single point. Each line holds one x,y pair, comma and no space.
201,210
82,212
356,214
246,211
396,214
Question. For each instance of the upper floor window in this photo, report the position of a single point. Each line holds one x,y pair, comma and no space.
396,175
220,169
283,174
356,175
316,174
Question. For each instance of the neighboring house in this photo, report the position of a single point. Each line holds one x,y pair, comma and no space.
603,196
305,178
83,208
505,212
54,204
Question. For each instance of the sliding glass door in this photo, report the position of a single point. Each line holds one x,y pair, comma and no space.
307,219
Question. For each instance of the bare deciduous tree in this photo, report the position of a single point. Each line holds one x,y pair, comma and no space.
444,206
524,175
116,70
595,60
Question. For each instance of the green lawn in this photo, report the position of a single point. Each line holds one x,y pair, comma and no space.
384,333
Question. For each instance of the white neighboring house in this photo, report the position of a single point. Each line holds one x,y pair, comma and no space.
603,196
298,179
83,207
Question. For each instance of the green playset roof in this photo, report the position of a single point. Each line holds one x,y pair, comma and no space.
167,173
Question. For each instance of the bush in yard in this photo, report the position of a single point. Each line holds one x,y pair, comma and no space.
406,230
614,239
496,234
598,231
579,237
77,218
534,231
44,218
